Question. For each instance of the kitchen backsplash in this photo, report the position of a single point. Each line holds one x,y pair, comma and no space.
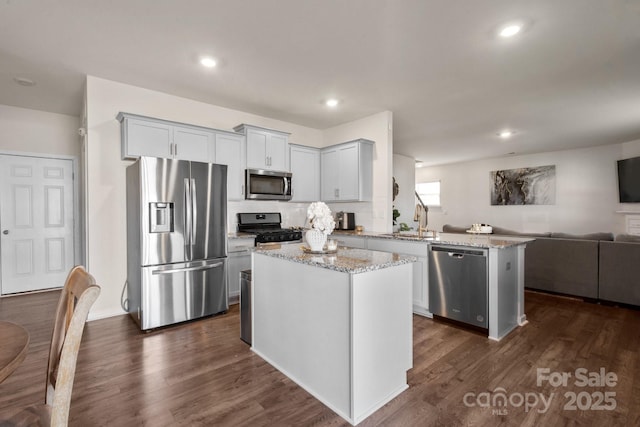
294,214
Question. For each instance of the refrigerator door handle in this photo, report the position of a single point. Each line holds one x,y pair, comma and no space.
180,270
194,211
187,218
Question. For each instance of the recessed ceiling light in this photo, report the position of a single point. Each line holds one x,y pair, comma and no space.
506,134
23,81
510,30
419,163
208,62
332,103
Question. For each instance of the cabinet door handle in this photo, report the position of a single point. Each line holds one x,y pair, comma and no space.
242,190
175,149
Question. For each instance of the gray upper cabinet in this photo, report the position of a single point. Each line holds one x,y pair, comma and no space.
146,136
141,137
347,172
229,150
191,144
266,148
305,168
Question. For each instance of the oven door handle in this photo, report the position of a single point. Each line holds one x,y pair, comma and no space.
285,242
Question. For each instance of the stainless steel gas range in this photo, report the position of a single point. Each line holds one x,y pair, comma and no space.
268,228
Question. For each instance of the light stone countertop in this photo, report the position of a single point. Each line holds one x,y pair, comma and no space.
473,240
346,260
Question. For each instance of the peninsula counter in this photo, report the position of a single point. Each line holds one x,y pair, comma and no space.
505,270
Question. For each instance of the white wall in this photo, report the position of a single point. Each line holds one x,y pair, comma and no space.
106,205
586,192
28,132
33,131
376,215
631,149
404,171
105,181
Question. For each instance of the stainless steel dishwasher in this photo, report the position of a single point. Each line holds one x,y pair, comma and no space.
458,284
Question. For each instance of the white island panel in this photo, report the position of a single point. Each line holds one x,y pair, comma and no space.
301,324
504,291
340,327
382,337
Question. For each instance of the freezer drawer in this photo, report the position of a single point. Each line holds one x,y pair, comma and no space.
173,293
458,284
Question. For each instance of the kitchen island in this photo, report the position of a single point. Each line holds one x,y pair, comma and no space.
339,325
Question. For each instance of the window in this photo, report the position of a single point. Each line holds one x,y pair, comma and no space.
429,193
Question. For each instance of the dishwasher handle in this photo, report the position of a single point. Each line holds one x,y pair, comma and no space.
458,253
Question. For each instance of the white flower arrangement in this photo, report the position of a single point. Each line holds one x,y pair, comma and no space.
320,218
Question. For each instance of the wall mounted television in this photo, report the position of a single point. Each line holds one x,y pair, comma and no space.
629,180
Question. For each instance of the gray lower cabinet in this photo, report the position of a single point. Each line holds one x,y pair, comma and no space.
420,268
239,259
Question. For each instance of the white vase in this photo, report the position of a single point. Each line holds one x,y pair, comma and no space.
315,239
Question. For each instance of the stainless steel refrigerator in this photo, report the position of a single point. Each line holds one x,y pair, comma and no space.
176,241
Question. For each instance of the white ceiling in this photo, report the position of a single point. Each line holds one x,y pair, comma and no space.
572,79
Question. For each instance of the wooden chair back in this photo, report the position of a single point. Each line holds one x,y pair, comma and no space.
78,295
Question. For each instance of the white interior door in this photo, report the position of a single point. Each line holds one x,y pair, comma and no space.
37,222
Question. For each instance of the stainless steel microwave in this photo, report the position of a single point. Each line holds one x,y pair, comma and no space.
267,185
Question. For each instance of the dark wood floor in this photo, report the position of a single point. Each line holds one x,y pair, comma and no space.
200,373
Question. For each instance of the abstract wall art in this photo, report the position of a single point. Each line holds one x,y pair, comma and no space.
524,186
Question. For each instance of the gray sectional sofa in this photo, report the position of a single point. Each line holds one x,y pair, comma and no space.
619,275
592,266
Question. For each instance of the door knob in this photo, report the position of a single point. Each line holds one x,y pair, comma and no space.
5,231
